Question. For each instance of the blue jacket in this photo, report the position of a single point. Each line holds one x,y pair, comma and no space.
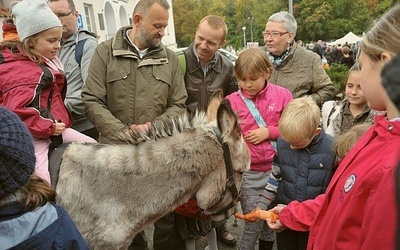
305,173
47,227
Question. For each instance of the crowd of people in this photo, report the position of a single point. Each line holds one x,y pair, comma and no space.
343,54
325,161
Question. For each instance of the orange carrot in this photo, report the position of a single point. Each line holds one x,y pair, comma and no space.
257,215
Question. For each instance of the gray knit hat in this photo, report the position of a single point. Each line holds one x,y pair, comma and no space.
32,17
17,154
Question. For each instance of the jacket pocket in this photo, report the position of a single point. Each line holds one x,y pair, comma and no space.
116,74
117,80
163,74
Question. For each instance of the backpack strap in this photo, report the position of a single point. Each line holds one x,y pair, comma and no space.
80,44
79,51
182,62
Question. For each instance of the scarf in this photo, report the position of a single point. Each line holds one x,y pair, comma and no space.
278,60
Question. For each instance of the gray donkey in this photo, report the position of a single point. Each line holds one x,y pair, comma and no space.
113,192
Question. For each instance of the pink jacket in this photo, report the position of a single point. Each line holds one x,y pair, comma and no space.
270,102
358,210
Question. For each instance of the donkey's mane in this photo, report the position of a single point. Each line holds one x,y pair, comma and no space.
164,128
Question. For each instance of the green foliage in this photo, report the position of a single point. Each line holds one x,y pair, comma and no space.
317,19
337,73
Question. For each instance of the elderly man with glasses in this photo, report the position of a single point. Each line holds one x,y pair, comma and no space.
296,68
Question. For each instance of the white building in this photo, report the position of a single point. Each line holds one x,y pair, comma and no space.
105,17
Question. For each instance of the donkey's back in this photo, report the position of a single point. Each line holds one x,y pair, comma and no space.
112,192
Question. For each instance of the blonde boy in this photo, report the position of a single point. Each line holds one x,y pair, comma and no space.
304,163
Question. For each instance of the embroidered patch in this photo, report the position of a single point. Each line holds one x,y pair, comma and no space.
271,107
348,185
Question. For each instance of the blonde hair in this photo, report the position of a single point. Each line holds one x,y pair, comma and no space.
20,47
299,120
215,22
344,142
383,36
252,61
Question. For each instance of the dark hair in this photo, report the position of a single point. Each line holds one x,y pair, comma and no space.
391,81
143,6
37,192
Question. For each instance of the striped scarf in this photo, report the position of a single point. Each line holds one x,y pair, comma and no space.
278,60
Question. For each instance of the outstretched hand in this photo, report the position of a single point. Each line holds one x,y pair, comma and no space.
276,224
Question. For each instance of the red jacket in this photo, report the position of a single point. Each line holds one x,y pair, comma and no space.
358,210
34,92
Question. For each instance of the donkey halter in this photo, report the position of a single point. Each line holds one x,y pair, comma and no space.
230,183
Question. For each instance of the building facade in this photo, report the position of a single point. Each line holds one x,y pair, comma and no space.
105,17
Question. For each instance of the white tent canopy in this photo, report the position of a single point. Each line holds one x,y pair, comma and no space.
349,38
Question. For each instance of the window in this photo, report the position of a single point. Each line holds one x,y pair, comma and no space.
90,24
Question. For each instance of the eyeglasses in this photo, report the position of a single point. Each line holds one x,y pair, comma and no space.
61,15
274,34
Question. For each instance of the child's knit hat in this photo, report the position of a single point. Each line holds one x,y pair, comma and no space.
17,154
32,17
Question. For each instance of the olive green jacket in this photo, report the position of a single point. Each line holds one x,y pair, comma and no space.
123,89
302,73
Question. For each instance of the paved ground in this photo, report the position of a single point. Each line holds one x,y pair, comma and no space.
235,227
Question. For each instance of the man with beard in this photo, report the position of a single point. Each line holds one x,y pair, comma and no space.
134,80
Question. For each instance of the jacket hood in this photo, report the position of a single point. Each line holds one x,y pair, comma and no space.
121,46
78,36
7,56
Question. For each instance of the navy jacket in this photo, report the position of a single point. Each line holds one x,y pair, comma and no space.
305,172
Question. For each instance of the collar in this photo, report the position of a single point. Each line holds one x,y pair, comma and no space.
207,65
346,109
314,144
142,53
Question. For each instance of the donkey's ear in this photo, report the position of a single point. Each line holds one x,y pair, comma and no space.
227,120
213,104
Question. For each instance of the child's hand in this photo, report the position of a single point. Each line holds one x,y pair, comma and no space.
257,136
60,127
276,224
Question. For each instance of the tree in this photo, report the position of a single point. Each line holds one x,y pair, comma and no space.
311,16
317,19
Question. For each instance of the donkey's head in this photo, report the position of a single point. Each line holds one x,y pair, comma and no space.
218,194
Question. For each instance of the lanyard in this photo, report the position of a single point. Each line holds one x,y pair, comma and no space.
256,115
